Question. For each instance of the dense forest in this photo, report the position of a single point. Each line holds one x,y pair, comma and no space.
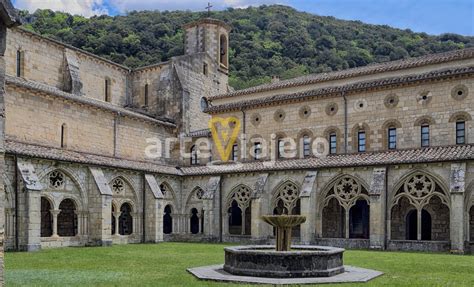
265,41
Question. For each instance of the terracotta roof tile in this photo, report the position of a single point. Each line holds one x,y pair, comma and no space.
359,71
333,90
409,156
37,151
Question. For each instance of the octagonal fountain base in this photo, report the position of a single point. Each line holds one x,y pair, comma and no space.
350,275
300,261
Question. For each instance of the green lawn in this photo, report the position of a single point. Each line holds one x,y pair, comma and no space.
165,265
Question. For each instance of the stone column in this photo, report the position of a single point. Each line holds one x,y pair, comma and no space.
457,210
346,223
418,224
116,223
377,194
256,228
308,207
105,232
308,227
33,221
208,218
54,214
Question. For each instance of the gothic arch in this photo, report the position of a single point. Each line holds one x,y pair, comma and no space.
417,202
168,191
238,209
128,182
289,192
194,208
344,206
329,186
69,173
196,194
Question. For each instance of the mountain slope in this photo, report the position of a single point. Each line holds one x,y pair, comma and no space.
265,41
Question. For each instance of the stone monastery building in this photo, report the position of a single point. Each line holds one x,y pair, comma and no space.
400,173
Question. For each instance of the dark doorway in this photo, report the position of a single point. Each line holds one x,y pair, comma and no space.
248,220
194,221
359,220
113,219
67,218
235,219
46,218
412,225
125,220
167,221
425,225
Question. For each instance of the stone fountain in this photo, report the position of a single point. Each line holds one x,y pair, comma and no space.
284,263
284,260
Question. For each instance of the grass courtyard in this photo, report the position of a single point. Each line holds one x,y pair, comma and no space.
165,265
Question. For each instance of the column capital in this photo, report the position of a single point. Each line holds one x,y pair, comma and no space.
55,212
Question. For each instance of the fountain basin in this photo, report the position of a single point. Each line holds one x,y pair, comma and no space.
300,261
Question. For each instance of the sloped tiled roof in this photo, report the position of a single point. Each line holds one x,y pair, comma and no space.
39,87
409,156
44,152
354,72
200,133
333,90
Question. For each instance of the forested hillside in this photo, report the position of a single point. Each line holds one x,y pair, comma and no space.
265,41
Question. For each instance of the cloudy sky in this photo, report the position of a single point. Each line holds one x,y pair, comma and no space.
431,16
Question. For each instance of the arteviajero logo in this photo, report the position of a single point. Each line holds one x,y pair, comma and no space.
225,132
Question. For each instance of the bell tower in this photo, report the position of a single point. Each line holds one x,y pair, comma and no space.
211,36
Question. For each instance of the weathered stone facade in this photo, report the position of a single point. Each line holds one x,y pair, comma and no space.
77,174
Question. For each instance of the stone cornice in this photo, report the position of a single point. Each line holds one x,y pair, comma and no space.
380,158
66,155
357,87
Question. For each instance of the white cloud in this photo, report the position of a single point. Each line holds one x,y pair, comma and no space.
89,8
85,8
195,5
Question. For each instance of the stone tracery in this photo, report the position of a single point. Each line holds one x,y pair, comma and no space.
238,208
56,179
345,210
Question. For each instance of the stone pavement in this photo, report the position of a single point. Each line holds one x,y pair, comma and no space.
352,274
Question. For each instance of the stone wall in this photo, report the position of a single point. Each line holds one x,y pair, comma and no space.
326,115
44,61
38,118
